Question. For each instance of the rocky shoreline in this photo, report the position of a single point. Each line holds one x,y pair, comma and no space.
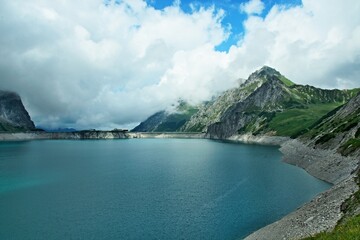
324,211
320,214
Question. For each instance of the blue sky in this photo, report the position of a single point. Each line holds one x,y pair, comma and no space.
233,15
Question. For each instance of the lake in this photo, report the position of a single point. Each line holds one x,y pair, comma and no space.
145,189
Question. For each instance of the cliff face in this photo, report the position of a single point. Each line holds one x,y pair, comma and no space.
13,115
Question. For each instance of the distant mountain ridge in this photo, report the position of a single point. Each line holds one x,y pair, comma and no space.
165,121
13,115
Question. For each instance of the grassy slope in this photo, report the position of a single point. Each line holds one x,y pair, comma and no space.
303,107
286,81
292,121
348,231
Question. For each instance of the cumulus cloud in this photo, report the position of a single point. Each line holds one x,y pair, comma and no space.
252,7
85,64
311,44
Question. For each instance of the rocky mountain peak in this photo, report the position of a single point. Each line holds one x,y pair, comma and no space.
264,73
13,114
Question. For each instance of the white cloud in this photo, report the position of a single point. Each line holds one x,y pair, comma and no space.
86,65
252,7
311,44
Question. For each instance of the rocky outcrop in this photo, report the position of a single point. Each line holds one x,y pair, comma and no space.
213,111
244,112
13,115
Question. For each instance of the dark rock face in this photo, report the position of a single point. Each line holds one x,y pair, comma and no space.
13,115
266,97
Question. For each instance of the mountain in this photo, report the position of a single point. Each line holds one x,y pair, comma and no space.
211,112
165,121
13,115
267,103
277,106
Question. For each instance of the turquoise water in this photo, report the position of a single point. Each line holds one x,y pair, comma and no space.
145,189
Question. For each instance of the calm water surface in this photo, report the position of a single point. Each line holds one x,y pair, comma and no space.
145,189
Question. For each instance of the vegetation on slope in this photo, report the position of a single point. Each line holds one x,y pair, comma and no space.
291,122
313,105
348,231
286,81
